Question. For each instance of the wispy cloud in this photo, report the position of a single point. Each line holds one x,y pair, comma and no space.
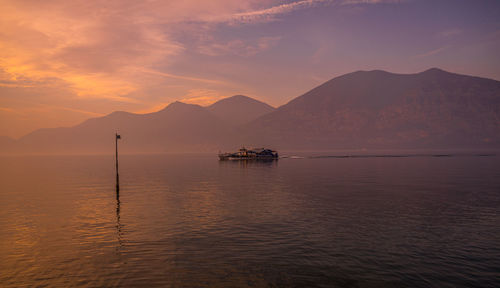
96,55
11,110
202,97
354,2
239,47
267,13
432,52
70,109
180,77
91,56
449,33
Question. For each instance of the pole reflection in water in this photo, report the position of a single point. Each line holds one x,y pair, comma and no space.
118,224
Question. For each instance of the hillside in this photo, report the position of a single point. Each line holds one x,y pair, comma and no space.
178,127
377,109
239,109
433,109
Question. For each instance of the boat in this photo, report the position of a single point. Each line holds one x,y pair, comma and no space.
250,154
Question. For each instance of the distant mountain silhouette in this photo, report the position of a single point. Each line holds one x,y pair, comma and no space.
239,109
366,109
178,127
377,109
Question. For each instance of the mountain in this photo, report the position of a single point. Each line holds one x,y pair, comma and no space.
178,127
377,109
239,109
433,109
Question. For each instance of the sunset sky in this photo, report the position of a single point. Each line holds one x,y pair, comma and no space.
62,62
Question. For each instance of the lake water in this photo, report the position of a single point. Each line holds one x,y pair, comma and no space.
192,221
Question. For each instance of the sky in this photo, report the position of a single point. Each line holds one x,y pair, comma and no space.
62,62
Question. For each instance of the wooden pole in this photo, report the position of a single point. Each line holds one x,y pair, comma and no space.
117,177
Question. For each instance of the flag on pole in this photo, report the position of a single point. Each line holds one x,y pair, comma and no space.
118,136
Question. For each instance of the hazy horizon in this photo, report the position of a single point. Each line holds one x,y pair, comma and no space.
360,111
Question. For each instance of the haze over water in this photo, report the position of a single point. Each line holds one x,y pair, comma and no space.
192,221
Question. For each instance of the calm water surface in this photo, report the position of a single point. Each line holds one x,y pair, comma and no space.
192,221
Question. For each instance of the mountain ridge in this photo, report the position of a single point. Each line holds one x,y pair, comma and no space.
352,110
239,109
363,109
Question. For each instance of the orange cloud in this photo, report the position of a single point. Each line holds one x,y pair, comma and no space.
105,55
95,47
202,97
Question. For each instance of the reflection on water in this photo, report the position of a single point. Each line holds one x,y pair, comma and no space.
118,224
243,163
190,220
